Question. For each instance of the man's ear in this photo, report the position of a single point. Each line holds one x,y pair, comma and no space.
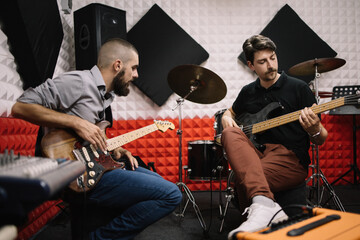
250,65
118,64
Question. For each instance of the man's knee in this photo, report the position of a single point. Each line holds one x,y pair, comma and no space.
176,195
229,134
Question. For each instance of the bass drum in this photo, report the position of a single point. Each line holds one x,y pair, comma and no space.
205,160
218,126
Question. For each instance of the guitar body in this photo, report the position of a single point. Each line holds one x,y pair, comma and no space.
63,143
248,119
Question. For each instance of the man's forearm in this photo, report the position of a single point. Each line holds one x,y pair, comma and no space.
42,116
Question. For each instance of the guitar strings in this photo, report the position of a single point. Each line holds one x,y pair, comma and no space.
350,99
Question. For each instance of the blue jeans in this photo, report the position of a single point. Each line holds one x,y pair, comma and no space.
142,196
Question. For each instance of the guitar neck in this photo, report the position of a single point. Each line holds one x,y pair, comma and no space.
116,142
294,116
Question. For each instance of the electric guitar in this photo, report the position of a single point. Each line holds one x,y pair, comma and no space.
251,124
64,143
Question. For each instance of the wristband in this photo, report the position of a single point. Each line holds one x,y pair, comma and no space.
316,134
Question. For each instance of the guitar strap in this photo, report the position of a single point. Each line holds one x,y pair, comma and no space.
38,152
108,116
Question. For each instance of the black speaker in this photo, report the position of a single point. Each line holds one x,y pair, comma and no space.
94,24
34,33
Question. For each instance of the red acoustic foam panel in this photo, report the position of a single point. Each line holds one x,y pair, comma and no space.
337,154
162,148
18,135
38,218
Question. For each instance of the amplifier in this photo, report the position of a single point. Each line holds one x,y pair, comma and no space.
324,224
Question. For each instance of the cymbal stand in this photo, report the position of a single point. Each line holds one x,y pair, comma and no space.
229,195
180,184
221,204
316,171
222,208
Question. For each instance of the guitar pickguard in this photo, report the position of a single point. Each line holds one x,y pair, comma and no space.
97,163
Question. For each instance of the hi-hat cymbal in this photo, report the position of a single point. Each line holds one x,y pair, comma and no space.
307,68
206,86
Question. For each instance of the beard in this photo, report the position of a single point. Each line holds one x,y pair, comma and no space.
121,88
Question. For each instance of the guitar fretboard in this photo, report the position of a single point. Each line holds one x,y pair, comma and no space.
291,117
116,142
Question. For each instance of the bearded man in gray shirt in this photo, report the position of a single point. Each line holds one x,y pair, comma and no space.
77,100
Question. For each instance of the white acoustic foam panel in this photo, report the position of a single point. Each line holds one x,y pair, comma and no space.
220,27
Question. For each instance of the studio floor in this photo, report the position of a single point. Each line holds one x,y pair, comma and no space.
188,227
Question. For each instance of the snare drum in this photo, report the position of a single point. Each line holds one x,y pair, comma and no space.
218,126
205,159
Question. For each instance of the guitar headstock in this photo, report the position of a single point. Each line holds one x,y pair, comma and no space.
353,99
164,125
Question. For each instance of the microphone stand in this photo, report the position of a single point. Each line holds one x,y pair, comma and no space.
181,184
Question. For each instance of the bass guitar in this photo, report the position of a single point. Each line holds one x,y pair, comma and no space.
64,143
252,124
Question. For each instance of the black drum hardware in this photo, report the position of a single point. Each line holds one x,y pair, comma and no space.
218,126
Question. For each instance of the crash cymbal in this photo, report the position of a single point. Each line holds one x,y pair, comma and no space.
206,86
307,68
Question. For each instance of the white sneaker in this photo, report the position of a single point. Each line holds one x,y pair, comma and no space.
258,218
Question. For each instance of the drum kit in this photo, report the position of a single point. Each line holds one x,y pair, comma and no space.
206,158
200,85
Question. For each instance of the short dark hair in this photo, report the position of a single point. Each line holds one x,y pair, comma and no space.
257,43
115,48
